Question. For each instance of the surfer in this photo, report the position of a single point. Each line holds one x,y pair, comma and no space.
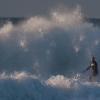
92,65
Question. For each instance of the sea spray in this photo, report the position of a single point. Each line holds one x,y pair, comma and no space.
60,44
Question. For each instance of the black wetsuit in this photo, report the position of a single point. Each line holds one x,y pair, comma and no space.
93,64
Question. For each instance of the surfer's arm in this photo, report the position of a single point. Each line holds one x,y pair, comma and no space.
87,69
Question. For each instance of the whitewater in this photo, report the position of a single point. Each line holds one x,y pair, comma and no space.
42,57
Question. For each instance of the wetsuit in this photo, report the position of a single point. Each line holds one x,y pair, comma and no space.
93,64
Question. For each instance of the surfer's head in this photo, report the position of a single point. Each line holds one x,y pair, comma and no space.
92,58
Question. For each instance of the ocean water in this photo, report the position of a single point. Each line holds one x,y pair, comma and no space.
42,57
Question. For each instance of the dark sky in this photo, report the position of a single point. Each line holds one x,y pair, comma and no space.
23,8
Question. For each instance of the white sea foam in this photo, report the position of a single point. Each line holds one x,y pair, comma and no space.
21,85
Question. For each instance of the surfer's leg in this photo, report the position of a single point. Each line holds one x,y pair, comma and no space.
91,77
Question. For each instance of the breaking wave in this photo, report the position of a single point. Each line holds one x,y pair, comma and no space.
42,58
